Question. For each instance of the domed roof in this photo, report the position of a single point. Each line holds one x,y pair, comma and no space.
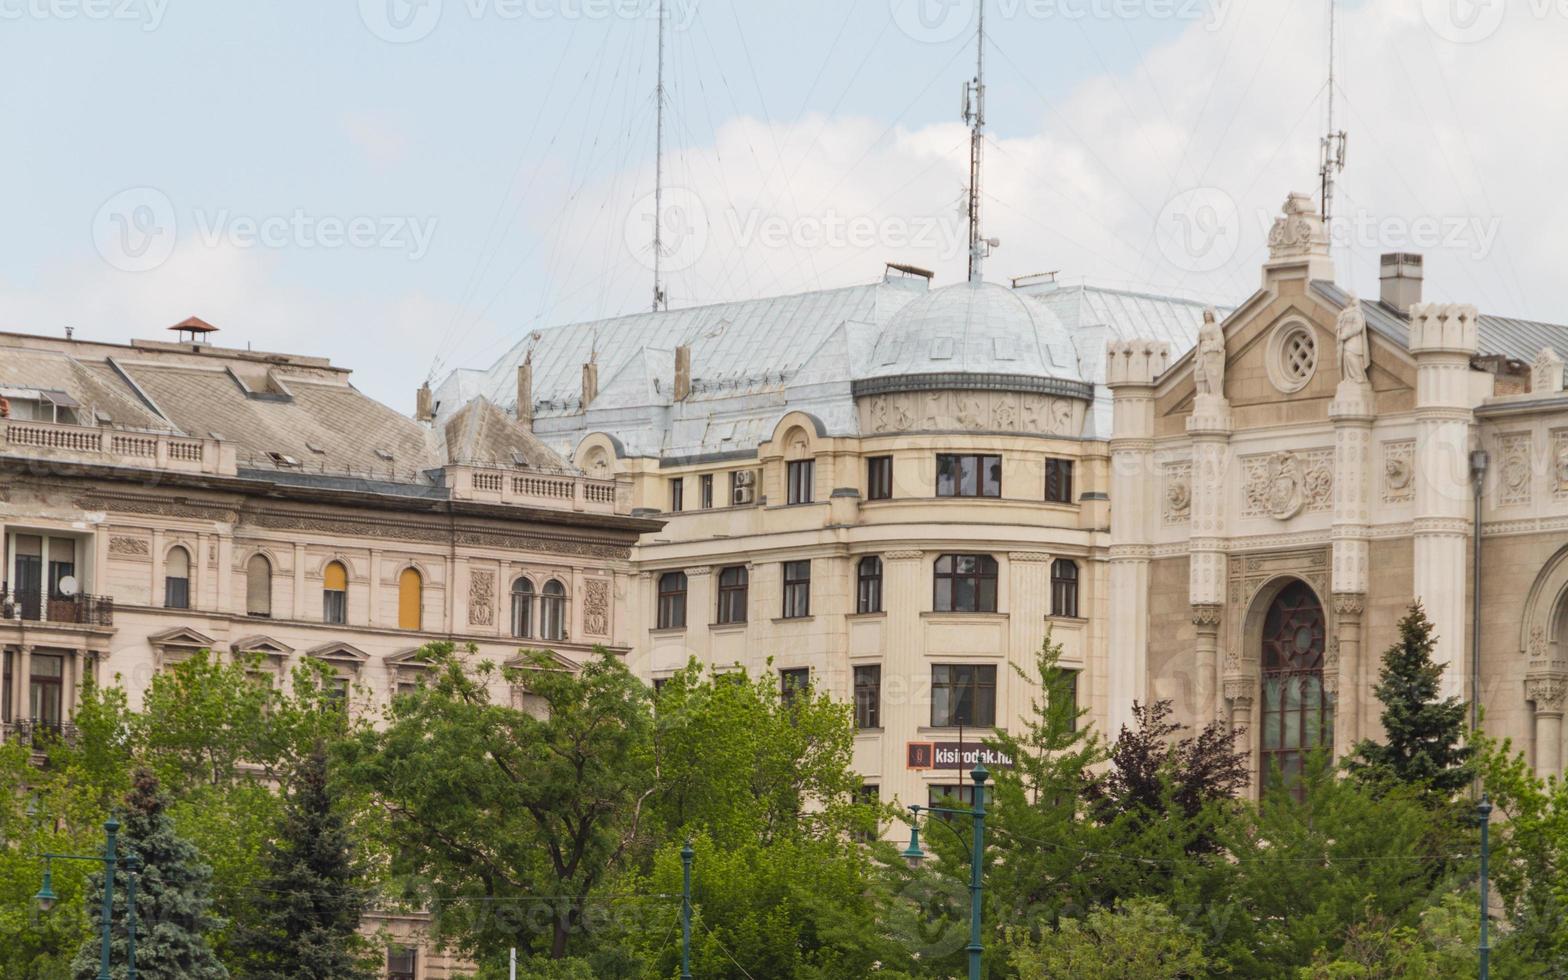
975,329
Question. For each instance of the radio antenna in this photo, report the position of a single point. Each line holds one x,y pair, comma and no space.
974,115
1332,150
659,300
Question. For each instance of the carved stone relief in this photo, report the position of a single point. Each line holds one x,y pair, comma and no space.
994,411
1513,485
1285,484
596,607
126,546
1559,474
481,597
1176,507
1547,692
1399,471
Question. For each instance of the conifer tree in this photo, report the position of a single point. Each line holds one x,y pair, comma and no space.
1425,735
311,901
172,899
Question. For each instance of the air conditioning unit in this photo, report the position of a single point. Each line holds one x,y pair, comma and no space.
743,487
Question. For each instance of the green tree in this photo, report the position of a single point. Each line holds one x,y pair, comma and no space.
1425,734
1442,946
307,917
506,818
172,898
1139,940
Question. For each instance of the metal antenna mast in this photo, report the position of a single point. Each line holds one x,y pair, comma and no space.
659,301
1332,152
974,115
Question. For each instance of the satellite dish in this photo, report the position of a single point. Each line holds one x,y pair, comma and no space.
67,585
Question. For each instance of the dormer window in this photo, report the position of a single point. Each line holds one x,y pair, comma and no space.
284,460
384,455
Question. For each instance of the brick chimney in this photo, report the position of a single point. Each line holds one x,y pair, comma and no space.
422,407
590,381
525,391
682,373
1401,275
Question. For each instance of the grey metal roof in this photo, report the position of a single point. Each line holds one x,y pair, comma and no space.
1500,336
754,360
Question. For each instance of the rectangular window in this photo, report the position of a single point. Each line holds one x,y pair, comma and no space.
1063,686
6,686
46,690
963,694
1064,588
879,478
968,475
733,586
868,696
869,794
672,600
792,682
965,583
176,593
802,474
334,606
401,962
1059,481
951,794
868,585
705,491
677,494
797,589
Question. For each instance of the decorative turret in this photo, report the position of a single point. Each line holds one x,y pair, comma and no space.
1443,328
1135,362
1298,243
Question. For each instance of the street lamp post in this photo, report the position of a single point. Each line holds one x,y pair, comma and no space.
110,861
686,856
913,854
1483,812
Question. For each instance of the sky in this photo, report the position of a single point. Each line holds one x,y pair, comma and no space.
411,186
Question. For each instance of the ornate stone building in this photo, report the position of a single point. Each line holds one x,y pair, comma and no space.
1313,464
160,498
891,492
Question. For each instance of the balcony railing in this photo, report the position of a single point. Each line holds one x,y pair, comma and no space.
40,607
96,444
38,734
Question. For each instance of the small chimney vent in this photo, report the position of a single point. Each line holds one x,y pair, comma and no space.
1401,277
682,373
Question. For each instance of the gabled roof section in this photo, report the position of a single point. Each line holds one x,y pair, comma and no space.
1499,336
480,434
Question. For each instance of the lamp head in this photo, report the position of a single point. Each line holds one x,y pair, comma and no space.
46,896
912,854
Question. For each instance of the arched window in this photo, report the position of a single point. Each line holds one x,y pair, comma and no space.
552,611
258,586
410,599
1297,715
965,583
522,608
177,579
733,589
1064,588
868,585
334,593
672,600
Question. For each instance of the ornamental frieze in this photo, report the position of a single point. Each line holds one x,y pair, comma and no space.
971,411
1284,484
596,607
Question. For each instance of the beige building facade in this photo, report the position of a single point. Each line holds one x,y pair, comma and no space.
161,498
1313,465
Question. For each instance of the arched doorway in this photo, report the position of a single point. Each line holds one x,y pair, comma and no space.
1297,715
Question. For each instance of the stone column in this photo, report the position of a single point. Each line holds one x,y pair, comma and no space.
702,608
1548,692
1443,340
373,617
906,674
1131,369
24,677
1029,582
199,576
299,611
1351,411
1210,427
1240,689
225,598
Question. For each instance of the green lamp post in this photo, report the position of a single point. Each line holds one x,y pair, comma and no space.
914,855
46,897
686,858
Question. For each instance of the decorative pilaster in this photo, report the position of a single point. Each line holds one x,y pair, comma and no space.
24,674
1131,370
1351,411
1206,619
1443,340
1240,689
1210,428
1547,693
1344,671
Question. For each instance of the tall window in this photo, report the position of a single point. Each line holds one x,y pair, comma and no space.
410,599
1062,689
868,585
7,686
963,694
46,689
802,474
946,794
672,600
793,683
968,475
797,589
258,586
868,696
705,491
1064,588
733,587
1059,481
879,478
1297,715
177,579
334,593
677,494
522,607
965,583
552,611
401,962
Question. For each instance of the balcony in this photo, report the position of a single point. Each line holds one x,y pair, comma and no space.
38,607
560,491
38,734
114,447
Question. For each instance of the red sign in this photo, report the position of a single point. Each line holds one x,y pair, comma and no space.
953,755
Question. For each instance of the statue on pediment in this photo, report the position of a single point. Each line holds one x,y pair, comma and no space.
1350,332
1209,367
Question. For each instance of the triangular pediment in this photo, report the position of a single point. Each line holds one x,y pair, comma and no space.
408,658
262,644
181,636
561,662
339,651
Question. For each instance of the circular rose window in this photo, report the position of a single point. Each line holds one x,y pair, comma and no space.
1292,356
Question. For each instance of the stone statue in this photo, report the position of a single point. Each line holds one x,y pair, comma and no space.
1210,365
1351,342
